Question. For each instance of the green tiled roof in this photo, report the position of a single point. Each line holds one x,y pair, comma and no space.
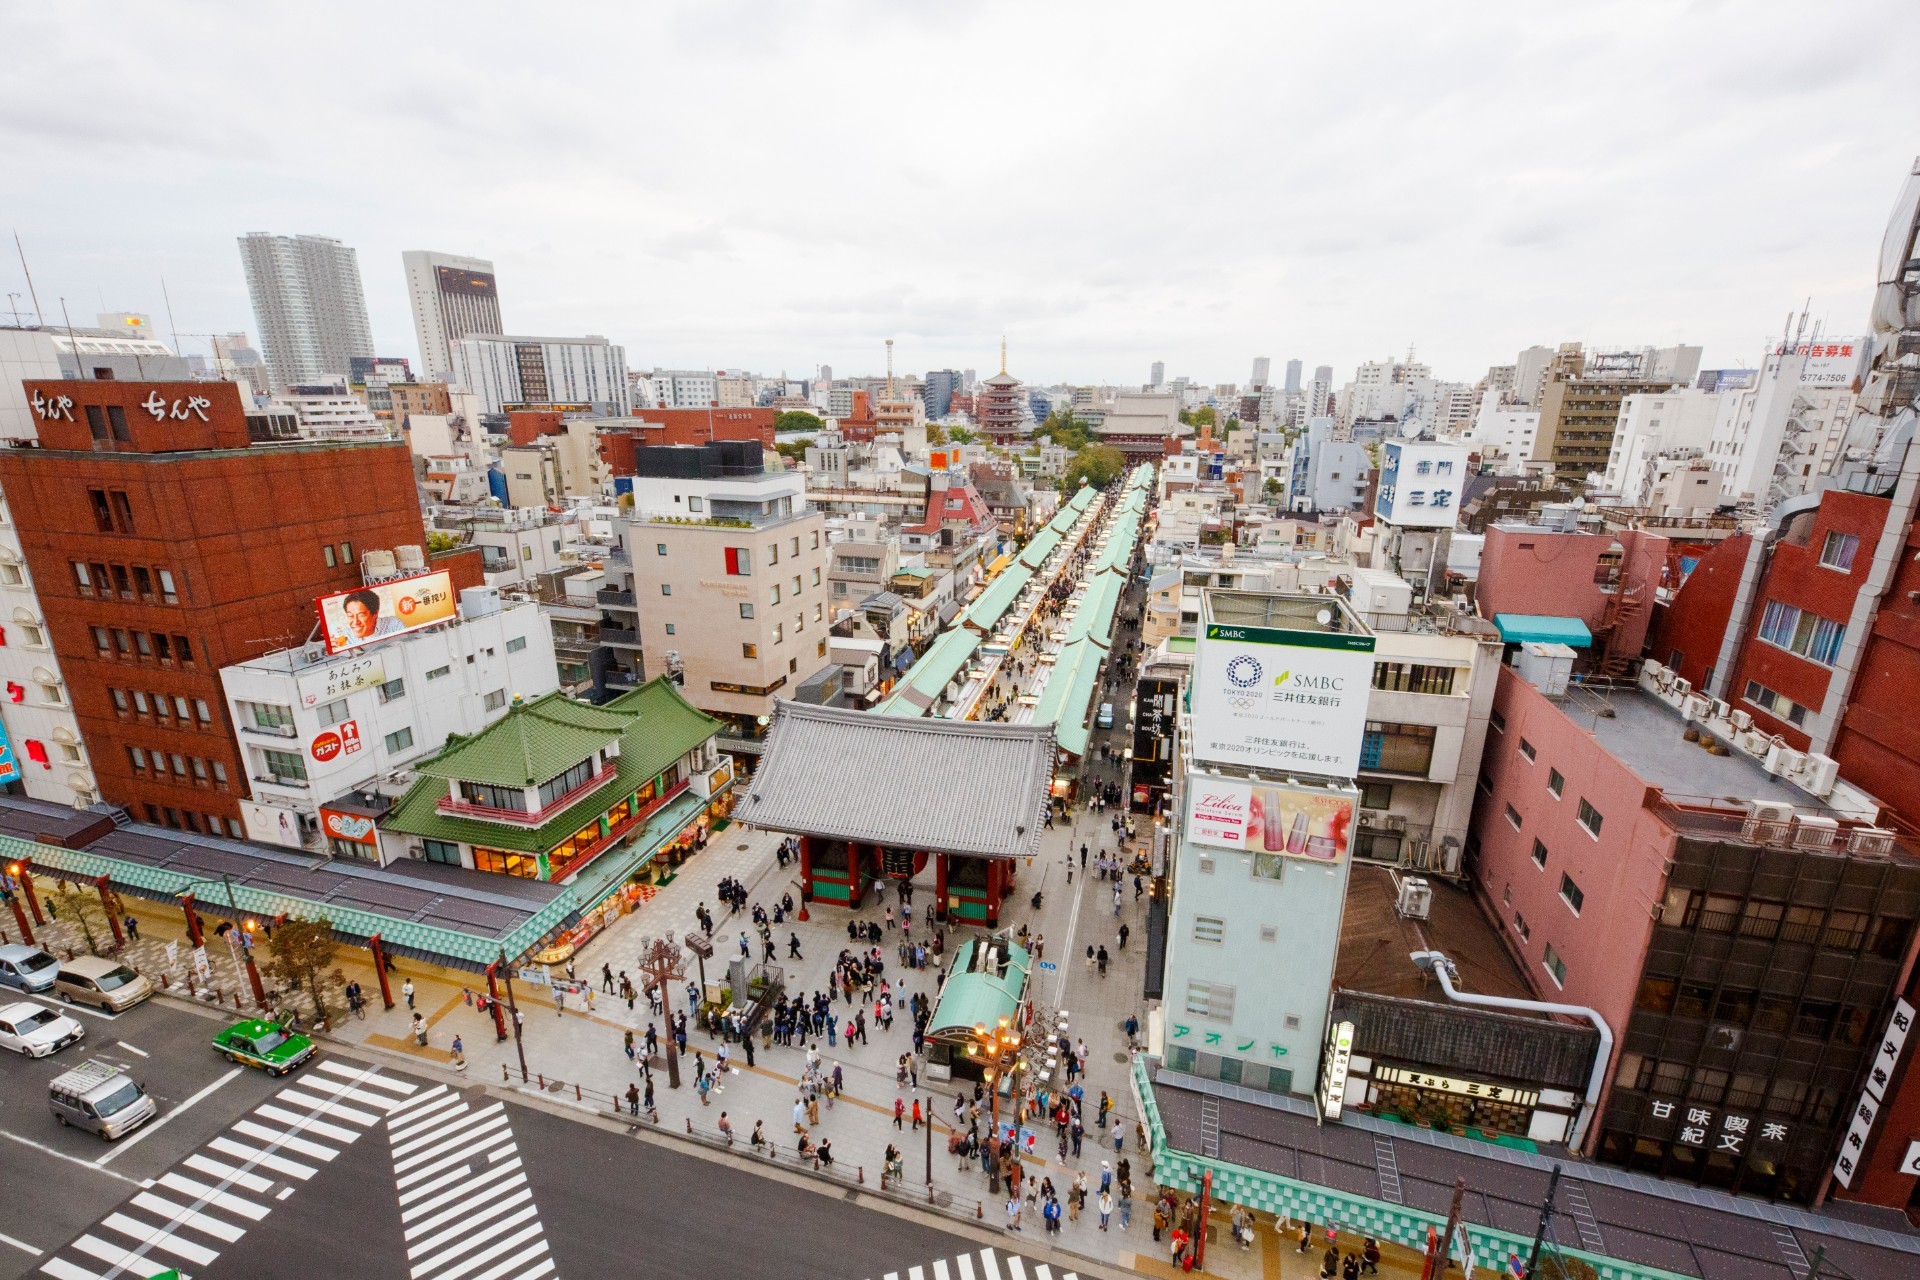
969,1000
658,727
535,741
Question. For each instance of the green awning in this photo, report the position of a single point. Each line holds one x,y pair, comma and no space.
1525,628
978,991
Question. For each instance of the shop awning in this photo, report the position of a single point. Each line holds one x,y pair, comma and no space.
986,983
1520,628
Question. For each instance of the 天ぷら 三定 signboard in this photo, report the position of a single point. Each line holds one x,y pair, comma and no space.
1282,700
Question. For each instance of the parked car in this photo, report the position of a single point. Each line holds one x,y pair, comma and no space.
1106,715
100,1098
104,984
267,1045
27,968
37,1031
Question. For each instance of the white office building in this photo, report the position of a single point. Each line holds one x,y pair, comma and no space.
308,302
1677,423
451,297
504,371
45,752
684,389
1504,434
328,740
332,413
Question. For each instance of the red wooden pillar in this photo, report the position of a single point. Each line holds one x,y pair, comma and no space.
1200,1228
253,977
23,872
20,918
380,969
806,868
113,917
996,872
940,887
493,1002
195,934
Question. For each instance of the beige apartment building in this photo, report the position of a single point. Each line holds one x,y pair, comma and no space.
725,583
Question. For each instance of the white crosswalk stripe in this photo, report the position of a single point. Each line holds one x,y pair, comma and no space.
982,1264
466,1209
217,1194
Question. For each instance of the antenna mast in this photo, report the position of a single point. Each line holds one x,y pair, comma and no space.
32,293
889,370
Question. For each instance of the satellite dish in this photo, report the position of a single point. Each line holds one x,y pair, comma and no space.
1323,617
1411,428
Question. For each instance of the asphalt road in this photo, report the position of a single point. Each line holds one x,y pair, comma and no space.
350,1169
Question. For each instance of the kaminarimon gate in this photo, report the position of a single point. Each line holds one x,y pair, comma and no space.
873,796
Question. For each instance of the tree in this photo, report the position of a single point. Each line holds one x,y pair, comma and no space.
1063,429
797,420
1272,489
961,435
301,954
83,907
936,434
1097,464
439,541
1204,416
794,449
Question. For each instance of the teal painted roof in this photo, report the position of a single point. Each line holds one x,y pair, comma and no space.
1523,628
979,998
992,604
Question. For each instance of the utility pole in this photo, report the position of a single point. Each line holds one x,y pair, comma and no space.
660,960
513,1010
1546,1220
1435,1265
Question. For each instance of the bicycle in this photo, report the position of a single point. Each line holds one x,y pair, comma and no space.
358,1007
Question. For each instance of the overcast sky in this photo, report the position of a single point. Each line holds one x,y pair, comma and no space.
774,185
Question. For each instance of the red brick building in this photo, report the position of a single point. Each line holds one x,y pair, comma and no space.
165,544
682,426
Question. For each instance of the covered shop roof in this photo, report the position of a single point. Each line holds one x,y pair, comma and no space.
944,659
659,727
984,984
944,786
1520,628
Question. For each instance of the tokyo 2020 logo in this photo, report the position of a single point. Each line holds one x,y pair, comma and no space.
1243,671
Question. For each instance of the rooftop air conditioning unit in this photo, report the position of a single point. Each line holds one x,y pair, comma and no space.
1720,709
1767,821
1394,822
1821,773
1783,759
1682,687
1815,831
1695,706
1415,900
1872,841
1742,721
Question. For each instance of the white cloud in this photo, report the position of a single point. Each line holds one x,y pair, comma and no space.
775,184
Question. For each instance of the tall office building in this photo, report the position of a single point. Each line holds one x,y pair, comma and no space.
1159,377
1262,370
1293,375
307,298
941,386
452,297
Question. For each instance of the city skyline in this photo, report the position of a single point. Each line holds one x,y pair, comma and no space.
1752,166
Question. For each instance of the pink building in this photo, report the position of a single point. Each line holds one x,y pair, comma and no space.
1606,580
1744,944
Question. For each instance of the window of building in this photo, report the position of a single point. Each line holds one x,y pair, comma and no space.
82,578
442,851
1815,1019
666,588
122,581
1520,927
820,649
1846,930
11,575
746,609
1539,853
326,553
167,591
1590,818
1513,817
779,632
140,703
137,758
393,690
816,577
501,862
1412,677
749,650
346,553
817,614
334,712
671,629
219,775
659,548
1798,631
1209,929
739,561
1775,704
1570,893
1210,1000
496,700
1555,966
400,739
516,643
1526,750
51,694
1556,782
1761,919
284,766
797,588
33,636
1838,551
1376,795
438,672
1496,722
774,594
1397,748
102,515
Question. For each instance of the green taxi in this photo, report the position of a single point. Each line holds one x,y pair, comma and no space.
260,1043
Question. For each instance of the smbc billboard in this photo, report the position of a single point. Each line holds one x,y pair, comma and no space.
1281,700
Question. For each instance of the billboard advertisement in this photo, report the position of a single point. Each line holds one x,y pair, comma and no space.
1270,819
1289,701
1420,483
355,827
9,764
342,739
473,284
350,619
338,679
1832,362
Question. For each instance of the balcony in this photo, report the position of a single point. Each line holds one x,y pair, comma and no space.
614,596
467,809
619,636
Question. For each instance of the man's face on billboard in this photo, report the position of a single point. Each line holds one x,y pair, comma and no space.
360,619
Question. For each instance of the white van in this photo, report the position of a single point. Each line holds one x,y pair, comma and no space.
100,1098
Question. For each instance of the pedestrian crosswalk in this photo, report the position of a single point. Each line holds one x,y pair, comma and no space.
466,1210
982,1264
229,1186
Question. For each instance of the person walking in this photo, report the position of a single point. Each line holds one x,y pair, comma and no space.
458,1055
559,1000
799,1116
1106,1208
633,1099
916,1115
900,1111
1119,1138
420,1031
406,992
1013,1213
606,978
